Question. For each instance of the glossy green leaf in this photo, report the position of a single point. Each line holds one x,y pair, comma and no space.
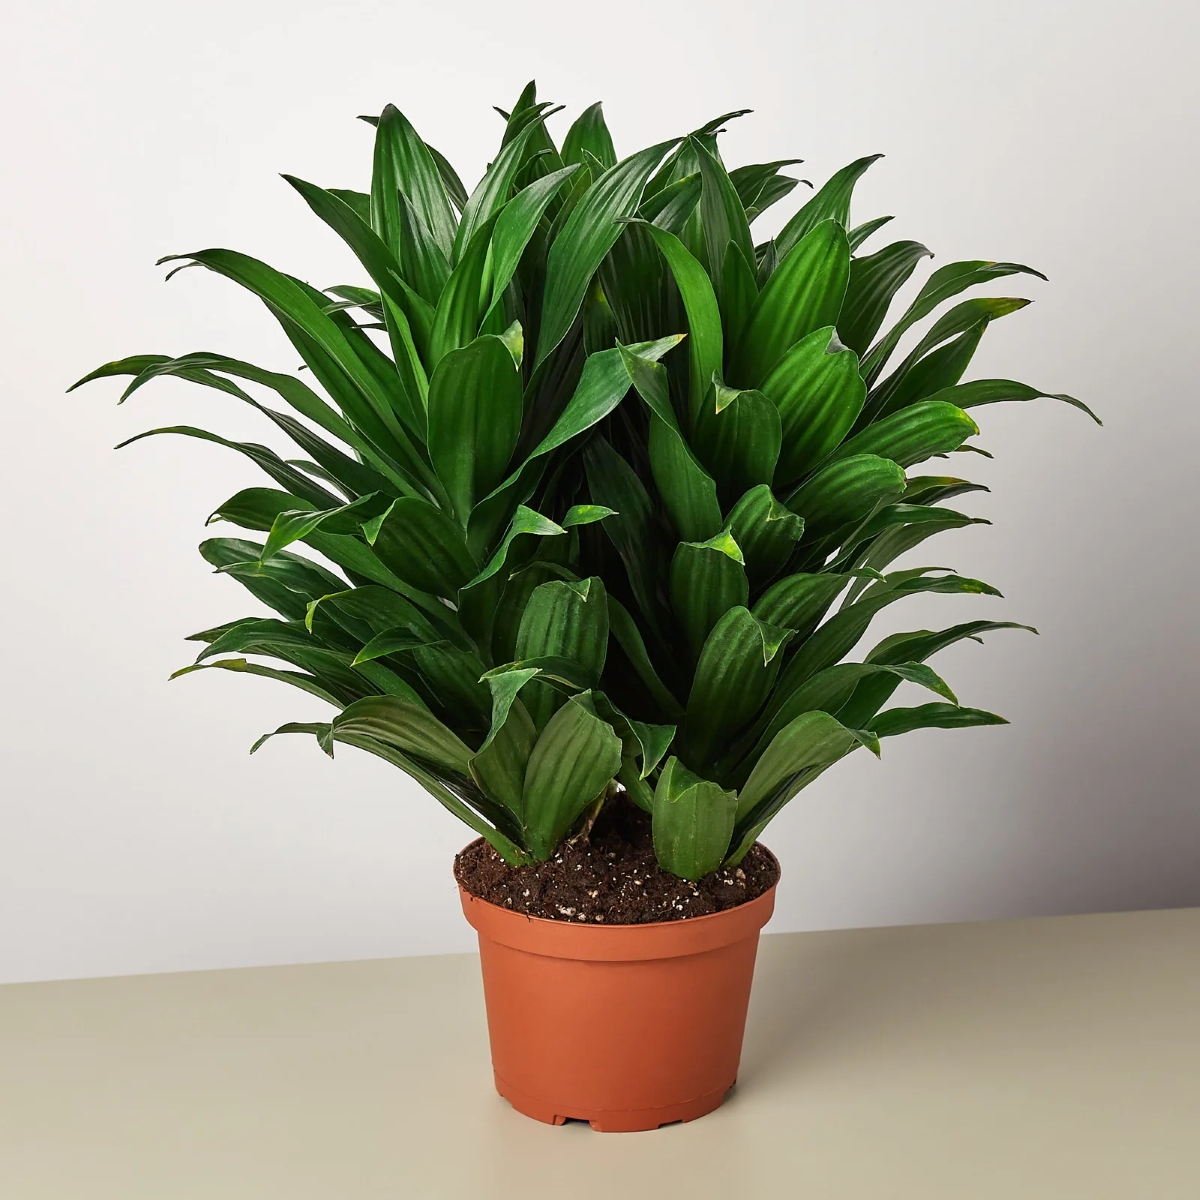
687,490
515,227
737,436
587,236
872,693
931,716
589,133
944,283
766,531
475,412
860,233
804,293
306,683
707,579
799,601
563,620
999,391
614,483
721,215
422,546
705,339
629,637
499,766
283,473
911,435
573,761
802,749
819,393
760,185
692,821
874,281
831,202
845,492
841,633
737,669
407,727
404,162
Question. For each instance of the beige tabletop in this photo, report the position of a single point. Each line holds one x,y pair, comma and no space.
1055,1058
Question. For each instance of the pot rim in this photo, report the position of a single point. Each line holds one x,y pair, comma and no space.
650,940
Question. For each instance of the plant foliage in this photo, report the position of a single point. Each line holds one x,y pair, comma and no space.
601,492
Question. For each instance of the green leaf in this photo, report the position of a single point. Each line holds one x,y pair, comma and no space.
840,634
804,293
871,694
707,579
306,683
688,491
493,191
360,393
806,746
404,162
945,282
500,765
614,483
422,546
860,233
289,527
573,761
692,821
508,849
721,215
464,299
588,235
845,492
705,340
739,291
766,531
832,202
563,620
760,185
407,727
737,437
735,674
475,412
819,393
874,281
910,436
624,629
450,180
286,591
515,227
998,391
799,601
828,691
589,133
384,270
282,472
391,641
931,716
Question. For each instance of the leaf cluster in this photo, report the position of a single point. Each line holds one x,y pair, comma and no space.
598,492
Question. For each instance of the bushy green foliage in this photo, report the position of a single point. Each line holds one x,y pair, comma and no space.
587,471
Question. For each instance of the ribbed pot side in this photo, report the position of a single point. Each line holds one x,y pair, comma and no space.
627,1027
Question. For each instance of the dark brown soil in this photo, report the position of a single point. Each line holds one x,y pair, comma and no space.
611,878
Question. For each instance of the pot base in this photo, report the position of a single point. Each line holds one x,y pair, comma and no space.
615,1120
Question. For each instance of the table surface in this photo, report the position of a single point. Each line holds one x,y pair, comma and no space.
1056,1058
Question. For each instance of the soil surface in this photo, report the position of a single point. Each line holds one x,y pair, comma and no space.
611,878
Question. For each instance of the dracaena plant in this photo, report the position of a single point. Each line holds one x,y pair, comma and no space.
587,470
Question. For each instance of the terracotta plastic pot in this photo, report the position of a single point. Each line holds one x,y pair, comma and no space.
627,1027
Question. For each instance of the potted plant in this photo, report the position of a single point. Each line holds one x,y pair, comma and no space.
602,493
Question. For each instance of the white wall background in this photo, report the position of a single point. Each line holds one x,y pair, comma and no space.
136,834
